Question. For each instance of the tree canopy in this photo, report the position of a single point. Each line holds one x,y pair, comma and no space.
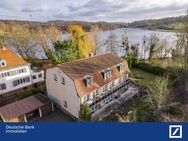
85,42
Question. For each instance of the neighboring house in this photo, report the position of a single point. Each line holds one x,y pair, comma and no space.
15,72
27,109
95,80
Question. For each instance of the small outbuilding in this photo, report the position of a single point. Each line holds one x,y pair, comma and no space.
26,109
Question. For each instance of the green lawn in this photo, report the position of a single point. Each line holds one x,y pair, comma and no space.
141,77
169,64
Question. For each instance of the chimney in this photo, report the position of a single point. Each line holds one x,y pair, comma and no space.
91,54
2,48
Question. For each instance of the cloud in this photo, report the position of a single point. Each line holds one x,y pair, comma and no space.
91,10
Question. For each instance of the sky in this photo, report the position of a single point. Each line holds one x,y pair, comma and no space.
91,10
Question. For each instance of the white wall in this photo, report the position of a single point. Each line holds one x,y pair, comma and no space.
60,93
8,80
37,76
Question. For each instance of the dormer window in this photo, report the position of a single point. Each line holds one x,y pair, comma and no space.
2,63
55,77
88,80
107,73
121,68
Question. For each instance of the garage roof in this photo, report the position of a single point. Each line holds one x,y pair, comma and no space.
23,106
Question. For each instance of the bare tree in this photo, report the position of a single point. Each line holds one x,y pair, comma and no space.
144,48
96,33
3,34
125,42
163,49
112,43
21,40
153,45
134,50
46,38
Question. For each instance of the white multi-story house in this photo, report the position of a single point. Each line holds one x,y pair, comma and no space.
95,80
15,72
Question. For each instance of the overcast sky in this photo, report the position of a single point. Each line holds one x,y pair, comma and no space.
91,10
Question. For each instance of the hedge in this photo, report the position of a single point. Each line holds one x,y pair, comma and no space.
151,69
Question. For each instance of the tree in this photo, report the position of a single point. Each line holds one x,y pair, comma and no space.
84,41
153,45
21,39
63,51
85,112
96,33
111,43
144,48
125,42
174,54
155,102
3,34
164,49
132,61
46,38
134,50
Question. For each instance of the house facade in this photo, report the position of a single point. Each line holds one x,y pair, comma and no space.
15,72
96,81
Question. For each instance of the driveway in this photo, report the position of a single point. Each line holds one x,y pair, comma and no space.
56,116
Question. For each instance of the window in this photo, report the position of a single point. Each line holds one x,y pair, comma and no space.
121,67
3,86
107,73
65,104
40,75
95,93
13,72
105,88
27,79
63,80
2,63
87,97
112,84
125,77
34,77
21,81
55,77
15,83
119,81
89,81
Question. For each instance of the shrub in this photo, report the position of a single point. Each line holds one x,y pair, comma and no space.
85,112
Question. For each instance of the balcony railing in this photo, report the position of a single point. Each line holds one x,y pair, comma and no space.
111,94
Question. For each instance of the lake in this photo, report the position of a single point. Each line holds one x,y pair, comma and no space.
135,36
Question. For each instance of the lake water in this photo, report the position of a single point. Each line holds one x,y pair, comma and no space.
135,36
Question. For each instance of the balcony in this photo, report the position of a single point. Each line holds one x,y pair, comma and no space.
104,98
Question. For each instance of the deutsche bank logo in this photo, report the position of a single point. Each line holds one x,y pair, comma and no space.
175,131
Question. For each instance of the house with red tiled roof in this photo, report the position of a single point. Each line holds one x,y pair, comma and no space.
15,72
96,81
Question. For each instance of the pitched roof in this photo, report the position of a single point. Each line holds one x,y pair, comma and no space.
11,58
88,66
93,66
98,81
23,106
